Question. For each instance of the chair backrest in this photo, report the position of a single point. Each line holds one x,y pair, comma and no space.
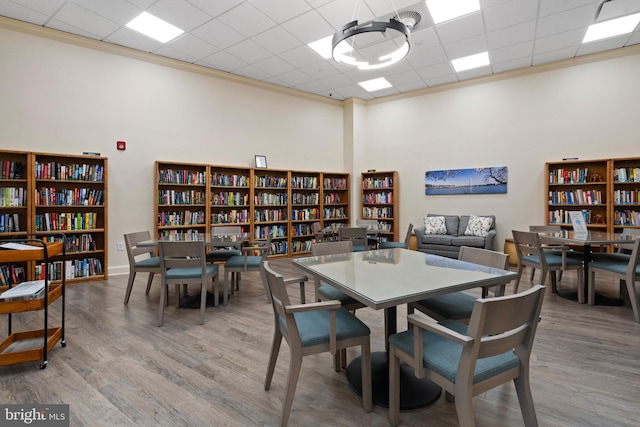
279,300
332,248
358,235
484,257
316,227
498,325
182,254
407,238
528,243
634,259
226,230
545,228
131,241
369,224
628,247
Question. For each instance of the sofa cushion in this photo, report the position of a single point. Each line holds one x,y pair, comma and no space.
475,241
434,225
478,226
437,239
451,222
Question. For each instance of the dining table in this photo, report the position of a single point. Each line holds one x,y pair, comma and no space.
587,242
383,279
210,241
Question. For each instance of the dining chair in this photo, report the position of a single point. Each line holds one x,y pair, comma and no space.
184,263
466,360
531,254
560,250
141,259
247,262
405,244
628,272
357,236
623,252
459,305
222,255
311,329
370,224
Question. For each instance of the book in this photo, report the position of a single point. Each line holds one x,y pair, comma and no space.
25,290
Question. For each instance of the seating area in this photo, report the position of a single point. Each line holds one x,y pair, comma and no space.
445,234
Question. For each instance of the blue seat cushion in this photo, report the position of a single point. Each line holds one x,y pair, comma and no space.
552,260
610,257
328,292
391,245
443,356
222,254
358,248
191,273
614,267
253,261
456,306
313,326
153,262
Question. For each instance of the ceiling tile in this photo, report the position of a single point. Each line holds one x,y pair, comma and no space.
193,46
337,80
404,78
511,35
277,40
512,65
252,72
550,7
460,29
554,55
249,51
223,61
247,20
509,14
217,7
514,51
85,20
441,80
340,13
320,70
218,34
179,13
294,77
134,40
565,21
22,13
43,7
281,10
312,87
174,53
119,11
437,70
274,66
308,27
63,26
466,47
301,56
601,45
559,41
386,7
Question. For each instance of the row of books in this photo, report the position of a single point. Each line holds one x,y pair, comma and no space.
266,215
9,223
270,199
305,199
626,197
305,214
188,234
231,217
276,231
186,197
229,180
577,197
68,196
309,182
74,242
270,181
335,183
302,245
73,268
386,182
279,248
72,172
11,170
627,218
378,198
377,212
230,198
562,216
50,221
332,198
185,217
302,229
332,213
12,274
13,196
181,176
626,175
566,176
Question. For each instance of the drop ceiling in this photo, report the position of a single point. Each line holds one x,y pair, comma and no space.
266,40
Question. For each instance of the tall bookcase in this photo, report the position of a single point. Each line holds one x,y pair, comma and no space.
46,195
606,192
181,191
284,203
380,202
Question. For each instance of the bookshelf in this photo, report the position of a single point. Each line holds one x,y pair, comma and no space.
181,198
380,202
271,208
230,197
606,192
305,209
335,199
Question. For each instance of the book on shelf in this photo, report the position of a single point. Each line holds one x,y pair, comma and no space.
24,291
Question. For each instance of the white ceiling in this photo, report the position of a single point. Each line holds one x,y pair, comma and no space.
266,39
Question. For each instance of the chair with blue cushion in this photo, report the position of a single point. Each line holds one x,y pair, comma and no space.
253,254
357,236
222,255
623,252
184,263
628,272
459,305
531,253
311,329
404,245
141,259
493,349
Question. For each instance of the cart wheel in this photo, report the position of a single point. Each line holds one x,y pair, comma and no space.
43,365
63,343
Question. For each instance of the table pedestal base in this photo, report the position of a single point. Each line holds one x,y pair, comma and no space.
193,301
599,298
414,392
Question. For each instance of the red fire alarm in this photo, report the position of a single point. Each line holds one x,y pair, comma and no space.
121,145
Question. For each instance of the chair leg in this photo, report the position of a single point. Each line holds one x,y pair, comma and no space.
216,291
163,297
633,297
533,272
517,284
295,363
203,300
367,398
554,282
132,276
273,357
526,400
580,276
591,289
149,281
394,387
464,407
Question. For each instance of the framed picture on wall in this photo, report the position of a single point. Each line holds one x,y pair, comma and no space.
261,161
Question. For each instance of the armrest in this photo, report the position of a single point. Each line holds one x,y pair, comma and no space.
314,306
298,279
433,326
488,241
419,233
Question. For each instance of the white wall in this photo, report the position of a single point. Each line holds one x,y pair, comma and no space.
63,98
588,111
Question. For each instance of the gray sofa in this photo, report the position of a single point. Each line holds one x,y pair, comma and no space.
449,244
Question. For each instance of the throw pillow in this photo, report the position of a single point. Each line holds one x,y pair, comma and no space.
434,225
478,226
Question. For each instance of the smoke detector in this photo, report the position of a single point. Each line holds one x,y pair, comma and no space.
409,18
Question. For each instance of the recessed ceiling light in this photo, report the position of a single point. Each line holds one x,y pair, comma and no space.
611,28
323,47
375,84
472,61
445,10
154,27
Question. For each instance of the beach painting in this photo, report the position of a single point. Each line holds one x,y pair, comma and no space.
466,181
